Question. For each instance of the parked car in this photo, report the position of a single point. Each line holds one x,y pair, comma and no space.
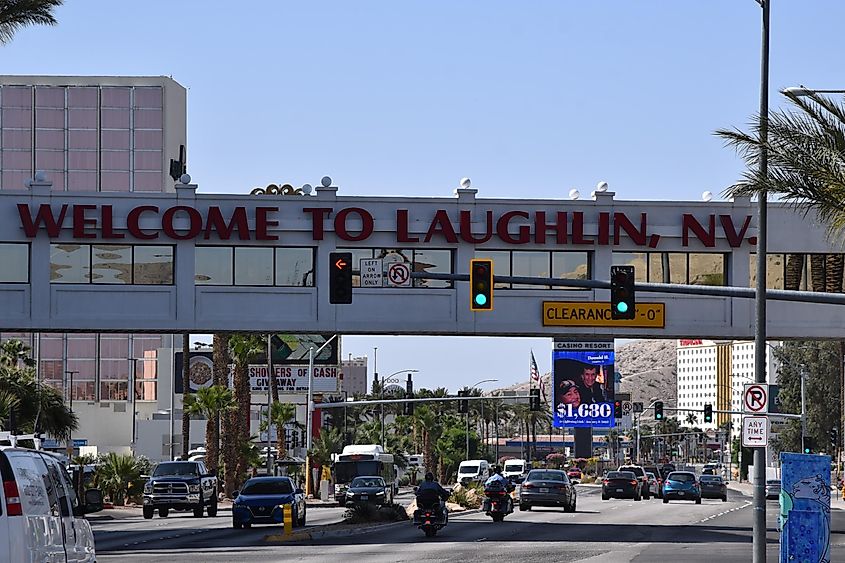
41,518
681,485
712,486
620,484
262,500
653,486
369,490
547,487
640,473
180,485
575,475
773,489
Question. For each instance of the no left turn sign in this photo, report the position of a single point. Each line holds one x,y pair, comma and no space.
756,397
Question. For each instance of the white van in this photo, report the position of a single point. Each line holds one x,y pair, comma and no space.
473,470
515,469
41,519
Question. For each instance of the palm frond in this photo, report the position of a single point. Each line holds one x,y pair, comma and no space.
17,14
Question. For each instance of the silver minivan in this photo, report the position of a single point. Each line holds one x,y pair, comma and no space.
41,518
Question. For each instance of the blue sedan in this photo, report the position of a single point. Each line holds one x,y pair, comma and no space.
681,485
262,500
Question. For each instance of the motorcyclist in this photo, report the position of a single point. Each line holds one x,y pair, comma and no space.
429,484
506,484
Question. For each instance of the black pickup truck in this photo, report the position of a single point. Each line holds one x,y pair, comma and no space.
180,485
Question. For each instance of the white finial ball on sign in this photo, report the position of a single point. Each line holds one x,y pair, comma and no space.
326,181
601,186
707,196
465,183
40,176
185,178
306,189
574,193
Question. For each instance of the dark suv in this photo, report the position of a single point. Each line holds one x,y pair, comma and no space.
641,477
180,485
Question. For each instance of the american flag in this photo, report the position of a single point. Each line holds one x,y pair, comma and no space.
535,376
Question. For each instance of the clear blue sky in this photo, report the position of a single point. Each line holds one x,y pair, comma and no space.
529,99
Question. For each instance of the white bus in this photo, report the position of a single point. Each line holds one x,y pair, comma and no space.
358,460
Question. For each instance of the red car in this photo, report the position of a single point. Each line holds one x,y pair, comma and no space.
574,473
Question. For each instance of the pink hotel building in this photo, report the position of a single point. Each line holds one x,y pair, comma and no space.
97,134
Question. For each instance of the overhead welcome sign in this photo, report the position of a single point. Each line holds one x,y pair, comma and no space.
580,313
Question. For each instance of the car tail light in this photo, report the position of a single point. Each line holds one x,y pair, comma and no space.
13,499
604,482
528,485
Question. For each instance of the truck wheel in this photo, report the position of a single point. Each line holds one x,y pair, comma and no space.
212,508
163,512
148,512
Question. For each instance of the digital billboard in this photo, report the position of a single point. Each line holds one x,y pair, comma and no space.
583,378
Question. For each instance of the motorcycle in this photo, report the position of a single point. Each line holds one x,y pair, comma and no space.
498,502
429,516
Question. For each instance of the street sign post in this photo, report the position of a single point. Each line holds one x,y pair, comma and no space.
755,398
755,431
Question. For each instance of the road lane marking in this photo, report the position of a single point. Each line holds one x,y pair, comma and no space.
746,505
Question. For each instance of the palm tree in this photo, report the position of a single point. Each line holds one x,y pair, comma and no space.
14,353
323,446
186,392
16,14
691,419
210,402
280,415
116,475
243,349
37,407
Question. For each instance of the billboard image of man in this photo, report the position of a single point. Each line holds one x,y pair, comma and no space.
591,390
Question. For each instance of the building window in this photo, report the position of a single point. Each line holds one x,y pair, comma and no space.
676,267
82,366
537,264
254,266
114,367
50,361
111,264
145,366
15,261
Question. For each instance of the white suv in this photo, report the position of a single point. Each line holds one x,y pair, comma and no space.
41,518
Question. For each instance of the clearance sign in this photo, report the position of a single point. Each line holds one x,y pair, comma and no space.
580,313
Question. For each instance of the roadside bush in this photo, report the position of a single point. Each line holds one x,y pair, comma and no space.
404,480
467,496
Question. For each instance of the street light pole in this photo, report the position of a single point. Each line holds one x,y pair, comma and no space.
470,389
309,426
759,524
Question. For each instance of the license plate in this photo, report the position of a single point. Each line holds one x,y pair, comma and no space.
544,490
364,497
620,490
682,493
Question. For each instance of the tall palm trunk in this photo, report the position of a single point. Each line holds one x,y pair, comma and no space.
242,415
834,264
186,389
220,362
817,271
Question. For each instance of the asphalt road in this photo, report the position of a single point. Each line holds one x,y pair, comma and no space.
599,532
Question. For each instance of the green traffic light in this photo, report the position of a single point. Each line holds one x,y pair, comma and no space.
480,299
622,307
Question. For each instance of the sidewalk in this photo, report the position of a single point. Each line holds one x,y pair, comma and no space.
747,489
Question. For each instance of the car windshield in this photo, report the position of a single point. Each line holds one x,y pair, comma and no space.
634,469
545,476
649,475
710,479
367,482
180,469
513,467
682,477
267,487
621,475
773,482
468,469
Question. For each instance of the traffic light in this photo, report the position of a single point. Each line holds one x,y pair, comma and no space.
463,406
708,412
340,278
617,409
622,304
808,446
534,399
480,285
658,410
409,394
